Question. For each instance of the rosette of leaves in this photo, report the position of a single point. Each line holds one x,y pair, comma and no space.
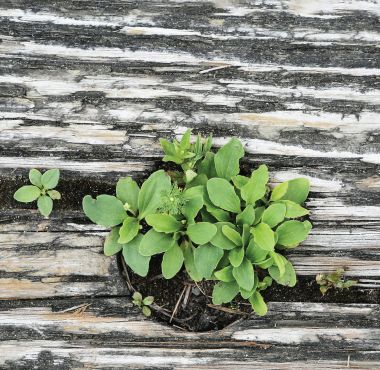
42,189
334,280
217,223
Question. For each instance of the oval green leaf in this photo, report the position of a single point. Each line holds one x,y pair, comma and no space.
256,186
172,261
163,223
201,232
105,210
244,274
264,236
274,214
155,243
206,258
224,292
227,159
222,194
291,233
127,191
45,205
35,177
137,262
128,230
50,178
111,246
27,193
150,195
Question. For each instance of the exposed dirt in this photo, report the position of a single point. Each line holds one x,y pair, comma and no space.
195,311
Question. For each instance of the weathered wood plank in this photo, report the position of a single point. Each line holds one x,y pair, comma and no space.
113,329
41,264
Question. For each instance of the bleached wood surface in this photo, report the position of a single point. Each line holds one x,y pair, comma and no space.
89,87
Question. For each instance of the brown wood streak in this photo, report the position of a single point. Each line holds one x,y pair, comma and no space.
321,328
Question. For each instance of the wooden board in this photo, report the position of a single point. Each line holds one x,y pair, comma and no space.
111,333
90,87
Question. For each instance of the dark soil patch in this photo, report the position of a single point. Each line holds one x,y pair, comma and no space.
195,311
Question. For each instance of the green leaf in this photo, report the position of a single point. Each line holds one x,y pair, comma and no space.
127,191
137,297
54,194
35,177
254,253
188,253
256,187
194,202
279,191
220,240
258,214
246,234
239,181
222,194
201,232
236,256
50,178
149,199
132,257
45,205
147,301
244,274
258,304
294,210
274,214
248,293
291,233
111,246
163,223
225,274
155,243
27,193
295,190
207,166
172,261
266,263
146,311
264,236
247,216
288,278
224,292
232,234
128,230
227,159
105,210
206,258
279,261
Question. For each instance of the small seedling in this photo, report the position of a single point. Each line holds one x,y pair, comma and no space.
42,190
333,280
143,303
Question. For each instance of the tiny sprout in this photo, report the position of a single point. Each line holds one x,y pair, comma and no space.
143,303
42,190
333,280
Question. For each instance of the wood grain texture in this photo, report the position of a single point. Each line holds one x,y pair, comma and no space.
112,330
89,87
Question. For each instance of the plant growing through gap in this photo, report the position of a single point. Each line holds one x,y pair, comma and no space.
42,189
333,280
208,218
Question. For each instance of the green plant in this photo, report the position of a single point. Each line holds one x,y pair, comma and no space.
143,303
333,280
217,223
42,190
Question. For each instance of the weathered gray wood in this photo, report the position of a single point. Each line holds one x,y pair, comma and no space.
89,87
111,329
